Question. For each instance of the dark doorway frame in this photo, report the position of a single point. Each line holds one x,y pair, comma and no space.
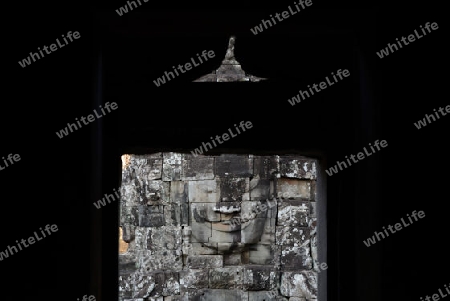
342,127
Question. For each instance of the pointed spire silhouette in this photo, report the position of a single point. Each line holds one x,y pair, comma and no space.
230,70
229,55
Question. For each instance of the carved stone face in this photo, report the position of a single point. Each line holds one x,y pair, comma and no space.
229,220
222,228
233,224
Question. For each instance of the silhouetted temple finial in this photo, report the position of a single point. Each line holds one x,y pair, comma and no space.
229,55
230,70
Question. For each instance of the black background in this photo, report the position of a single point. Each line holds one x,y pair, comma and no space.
118,57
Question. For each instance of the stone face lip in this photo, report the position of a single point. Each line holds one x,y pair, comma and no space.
230,70
225,226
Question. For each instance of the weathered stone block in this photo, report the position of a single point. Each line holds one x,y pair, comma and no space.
127,222
199,248
134,159
161,260
178,192
156,285
164,238
201,231
262,295
206,211
152,170
194,279
265,167
172,166
258,209
147,167
175,298
126,282
234,189
155,193
225,233
293,188
159,279
204,261
230,248
198,168
147,216
268,236
292,236
259,189
201,228
128,175
127,264
271,206
232,259
252,230
130,216
299,284
184,208
261,254
204,191
298,167
299,214
145,286
245,256
295,258
217,294
129,195
257,278
294,213
226,278
172,215
233,165
171,283
154,208
140,239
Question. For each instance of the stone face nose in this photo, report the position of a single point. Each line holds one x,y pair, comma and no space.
230,70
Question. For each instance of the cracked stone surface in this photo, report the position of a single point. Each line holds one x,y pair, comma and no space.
219,228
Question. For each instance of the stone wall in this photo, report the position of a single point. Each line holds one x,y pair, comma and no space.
222,228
